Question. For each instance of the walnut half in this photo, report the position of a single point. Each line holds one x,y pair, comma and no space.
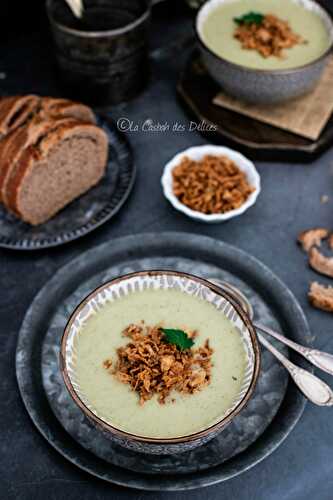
321,296
320,263
312,237
330,241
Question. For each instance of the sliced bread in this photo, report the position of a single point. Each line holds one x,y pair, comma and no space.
24,117
53,170
18,110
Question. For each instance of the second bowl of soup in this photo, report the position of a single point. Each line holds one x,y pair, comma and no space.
265,51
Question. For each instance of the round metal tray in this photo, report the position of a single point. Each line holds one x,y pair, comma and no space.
265,423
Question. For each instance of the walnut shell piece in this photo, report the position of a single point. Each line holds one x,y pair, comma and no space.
321,296
321,263
330,241
312,237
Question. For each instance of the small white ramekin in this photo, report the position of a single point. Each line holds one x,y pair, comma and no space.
197,153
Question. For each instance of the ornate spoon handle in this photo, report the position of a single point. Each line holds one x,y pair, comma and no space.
312,387
322,360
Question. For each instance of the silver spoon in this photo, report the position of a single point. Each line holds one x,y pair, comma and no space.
322,360
315,389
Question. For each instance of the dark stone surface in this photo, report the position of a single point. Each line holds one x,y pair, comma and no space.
302,468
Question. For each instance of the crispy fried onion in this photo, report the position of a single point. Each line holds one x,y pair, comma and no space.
152,366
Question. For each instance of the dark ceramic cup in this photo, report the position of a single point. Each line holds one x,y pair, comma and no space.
103,58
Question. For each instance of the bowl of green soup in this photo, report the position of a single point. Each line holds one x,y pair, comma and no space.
264,51
160,361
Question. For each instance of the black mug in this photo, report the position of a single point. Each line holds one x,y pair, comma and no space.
103,57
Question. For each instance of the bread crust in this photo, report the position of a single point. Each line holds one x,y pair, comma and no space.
5,158
21,109
57,107
6,105
14,111
45,107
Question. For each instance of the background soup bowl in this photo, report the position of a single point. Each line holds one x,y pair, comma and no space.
259,85
140,281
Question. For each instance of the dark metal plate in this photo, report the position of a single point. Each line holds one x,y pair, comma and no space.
265,423
84,214
243,431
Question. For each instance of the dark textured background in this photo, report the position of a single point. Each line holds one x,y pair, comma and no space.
302,468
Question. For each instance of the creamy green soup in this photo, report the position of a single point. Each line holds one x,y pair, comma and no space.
218,28
118,405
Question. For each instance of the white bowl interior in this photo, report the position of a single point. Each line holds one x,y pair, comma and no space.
197,153
114,291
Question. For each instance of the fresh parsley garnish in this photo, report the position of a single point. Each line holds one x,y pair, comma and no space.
250,18
178,338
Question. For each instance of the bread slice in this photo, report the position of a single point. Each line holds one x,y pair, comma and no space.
5,146
13,145
15,112
60,166
62,108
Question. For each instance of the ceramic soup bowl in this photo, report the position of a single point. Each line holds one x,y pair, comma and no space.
224,309
263,86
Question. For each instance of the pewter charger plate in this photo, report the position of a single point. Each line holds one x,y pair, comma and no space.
84,214
266,421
